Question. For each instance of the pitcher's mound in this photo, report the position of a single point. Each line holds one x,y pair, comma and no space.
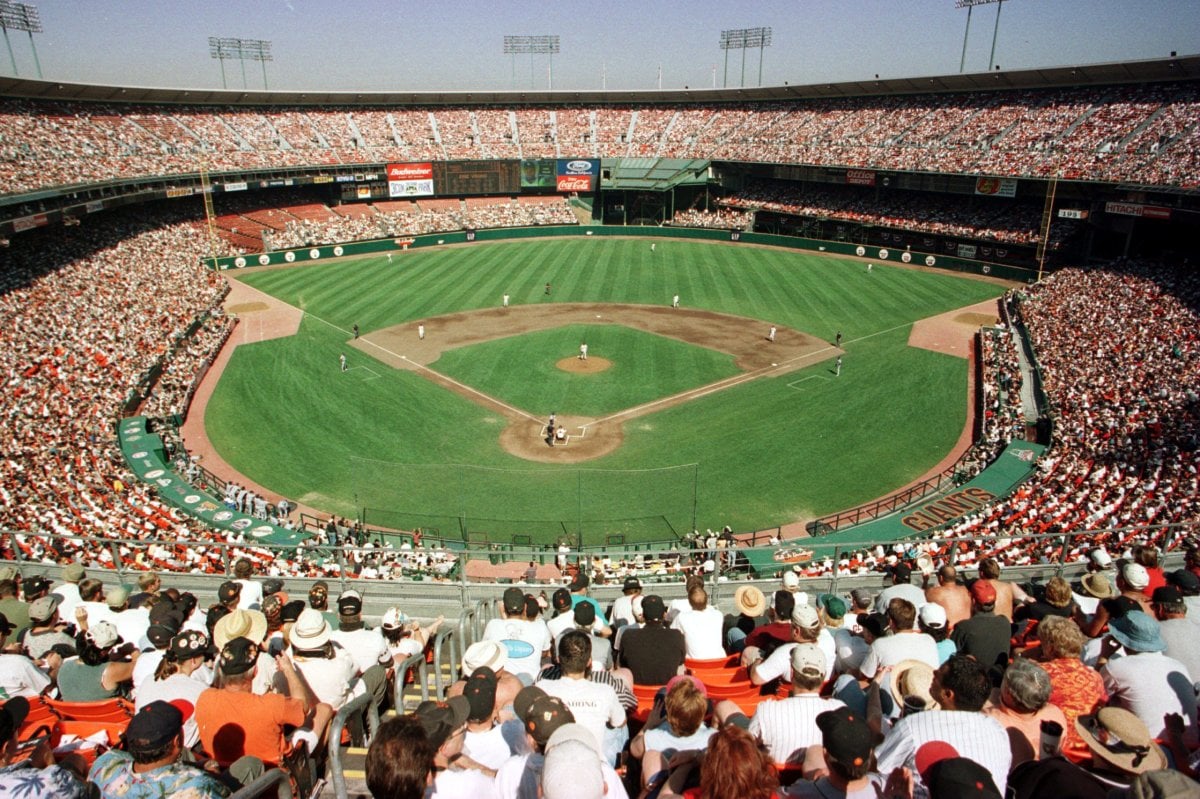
591,366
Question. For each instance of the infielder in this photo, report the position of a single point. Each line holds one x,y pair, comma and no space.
675,301
421,332
583,352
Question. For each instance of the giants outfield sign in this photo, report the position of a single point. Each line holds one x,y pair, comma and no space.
948,508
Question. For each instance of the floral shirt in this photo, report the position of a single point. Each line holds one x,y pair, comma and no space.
1077,689
113,773
23,781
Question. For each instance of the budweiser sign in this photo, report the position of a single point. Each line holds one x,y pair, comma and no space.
410,171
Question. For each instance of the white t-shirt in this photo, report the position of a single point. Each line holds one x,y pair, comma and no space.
251,597
132,624
464,783
332,680
19,677
622,610
891,649
177,686
593,704
701,632
488,748
367,647
779,664
525,641
144,668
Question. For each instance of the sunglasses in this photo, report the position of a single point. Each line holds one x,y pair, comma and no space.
1112,742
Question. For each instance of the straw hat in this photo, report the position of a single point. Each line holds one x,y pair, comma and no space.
1097,585
1121,739
250,624
310,632
749,601
913,678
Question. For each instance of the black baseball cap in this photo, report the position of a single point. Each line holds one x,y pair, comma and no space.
846,736
960,778
480,692
561,599
1167,593
580,582
653,608
349,604
12,716
632,584
229,591
585,614
272,586
1184,579
239,656
441,719
901,573
154,726
514,600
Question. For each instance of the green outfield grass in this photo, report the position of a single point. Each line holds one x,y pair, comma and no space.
769,451
521,370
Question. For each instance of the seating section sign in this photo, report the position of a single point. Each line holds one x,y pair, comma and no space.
410,180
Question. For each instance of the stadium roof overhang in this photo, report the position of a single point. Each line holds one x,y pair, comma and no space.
1164,69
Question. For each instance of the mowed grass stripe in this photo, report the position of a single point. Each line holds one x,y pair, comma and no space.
768,453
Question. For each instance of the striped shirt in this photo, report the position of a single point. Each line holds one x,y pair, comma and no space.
973,735
789,726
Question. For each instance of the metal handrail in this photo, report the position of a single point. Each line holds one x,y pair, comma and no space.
356,705
276,778
439,683
400,680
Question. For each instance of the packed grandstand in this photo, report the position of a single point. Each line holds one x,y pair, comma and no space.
118,317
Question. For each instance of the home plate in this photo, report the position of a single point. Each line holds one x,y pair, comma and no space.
774,364
598,316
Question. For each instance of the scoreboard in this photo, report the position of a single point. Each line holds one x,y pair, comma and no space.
477,177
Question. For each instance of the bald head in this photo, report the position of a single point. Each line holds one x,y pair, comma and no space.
947,575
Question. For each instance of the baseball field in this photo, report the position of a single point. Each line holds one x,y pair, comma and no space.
678,417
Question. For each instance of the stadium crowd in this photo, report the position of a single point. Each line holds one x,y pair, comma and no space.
1084,689
1137,133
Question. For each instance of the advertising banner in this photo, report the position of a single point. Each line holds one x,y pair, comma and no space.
966,251
996,187
860,177
239,185
576,174
1137,209
410,180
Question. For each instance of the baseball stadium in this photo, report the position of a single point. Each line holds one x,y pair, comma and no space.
420,349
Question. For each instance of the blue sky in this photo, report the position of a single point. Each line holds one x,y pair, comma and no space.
457,46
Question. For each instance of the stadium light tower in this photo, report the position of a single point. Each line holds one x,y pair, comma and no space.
970,4
532,45
225,49
20,17
741,39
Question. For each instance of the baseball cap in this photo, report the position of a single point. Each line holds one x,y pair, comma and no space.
6,626
1185,580
349,603
116,597
9,573
901,573
561,599
791,580
933,615
73,572
524,700
393,619
572,771
833,605
43,608
1167,593
806,617
292,610
1101,558
442,719
653,608
35,585
577,733
188,644
845,736
155,725
160,635
983,592
238,656
229,591
480,692
632,584
808,659
874,623
961,778
272,585
862,597
1136,575
585,614
579,582
319,590
311,631
491,654
12,716
514,600
103,635
544,715
930,754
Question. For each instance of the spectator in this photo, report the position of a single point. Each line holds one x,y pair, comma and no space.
445,726
93,676
806,628
1179,632
787,727
778,631
675,725
655,653
903,643
18,675
593,704
1022,705
701,626
735,764
951,595
1075,688
749,603
37,775
180,676
933,621
400,760
1145,681
621,612
985,636
485,742
961,687
901,588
